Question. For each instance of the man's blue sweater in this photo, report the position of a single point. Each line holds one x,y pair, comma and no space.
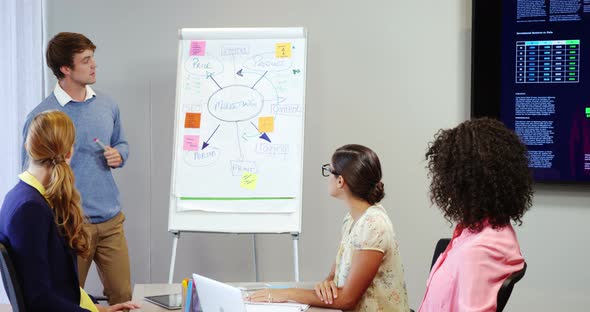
97,117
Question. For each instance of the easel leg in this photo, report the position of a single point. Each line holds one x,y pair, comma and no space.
173,260
255,257
295,237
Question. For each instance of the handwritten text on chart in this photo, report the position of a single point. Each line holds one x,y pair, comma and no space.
267,62
191,108
239,167
286,109
229,50
272,149
203,66
249,181
202,158
235,103
191,84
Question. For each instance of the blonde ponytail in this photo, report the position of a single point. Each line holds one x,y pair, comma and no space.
50,139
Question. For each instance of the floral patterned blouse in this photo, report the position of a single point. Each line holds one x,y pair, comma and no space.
374,231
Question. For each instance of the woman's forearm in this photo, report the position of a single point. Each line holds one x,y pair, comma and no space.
308,296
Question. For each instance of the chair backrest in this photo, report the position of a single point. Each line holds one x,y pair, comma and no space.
100,298
10,281
506,288
440,248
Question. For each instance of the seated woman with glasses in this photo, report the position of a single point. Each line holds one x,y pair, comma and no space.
480,180
41,222
367,274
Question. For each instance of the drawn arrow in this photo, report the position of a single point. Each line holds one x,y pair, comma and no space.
210,76
264,136
205,144
259,79
239,73
246,136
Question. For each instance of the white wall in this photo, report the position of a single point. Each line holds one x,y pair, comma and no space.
386,74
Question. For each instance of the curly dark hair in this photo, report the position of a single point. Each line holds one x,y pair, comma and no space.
479,171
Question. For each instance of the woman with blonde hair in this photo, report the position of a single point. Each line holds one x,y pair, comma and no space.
41,221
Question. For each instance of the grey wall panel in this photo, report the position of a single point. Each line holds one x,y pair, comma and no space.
386,74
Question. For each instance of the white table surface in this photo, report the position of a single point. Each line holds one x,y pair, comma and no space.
142,290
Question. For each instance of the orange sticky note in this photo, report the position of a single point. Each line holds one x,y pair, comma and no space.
283,50
249,181
192,120
266,124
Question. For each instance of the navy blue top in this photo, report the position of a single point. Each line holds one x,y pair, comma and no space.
46,266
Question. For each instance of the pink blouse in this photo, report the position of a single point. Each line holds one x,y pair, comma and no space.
468,274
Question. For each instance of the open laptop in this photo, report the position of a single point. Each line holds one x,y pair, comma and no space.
215,296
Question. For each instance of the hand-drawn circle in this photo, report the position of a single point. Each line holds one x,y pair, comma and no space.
235,103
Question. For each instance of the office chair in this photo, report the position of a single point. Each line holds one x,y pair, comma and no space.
12,286
101,298
441,245
10,281
505,290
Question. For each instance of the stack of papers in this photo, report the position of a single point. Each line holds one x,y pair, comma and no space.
276,307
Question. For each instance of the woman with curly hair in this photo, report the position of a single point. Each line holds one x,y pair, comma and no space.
41,221
480,180
367,275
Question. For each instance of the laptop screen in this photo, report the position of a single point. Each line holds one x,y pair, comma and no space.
215,296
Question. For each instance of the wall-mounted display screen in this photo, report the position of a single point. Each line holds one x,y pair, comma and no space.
531,70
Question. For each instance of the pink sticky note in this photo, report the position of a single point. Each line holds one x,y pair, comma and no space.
198,48
191,143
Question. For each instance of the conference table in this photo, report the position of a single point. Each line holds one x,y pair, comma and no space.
142,290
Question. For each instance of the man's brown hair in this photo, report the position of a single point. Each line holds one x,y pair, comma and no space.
61,50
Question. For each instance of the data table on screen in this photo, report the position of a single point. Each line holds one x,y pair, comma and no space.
555,61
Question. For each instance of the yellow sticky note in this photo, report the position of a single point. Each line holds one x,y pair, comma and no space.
266,124
249,181
283,50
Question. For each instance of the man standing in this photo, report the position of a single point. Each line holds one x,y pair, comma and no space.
96,117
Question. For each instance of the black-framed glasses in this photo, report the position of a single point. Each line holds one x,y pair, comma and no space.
327,170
